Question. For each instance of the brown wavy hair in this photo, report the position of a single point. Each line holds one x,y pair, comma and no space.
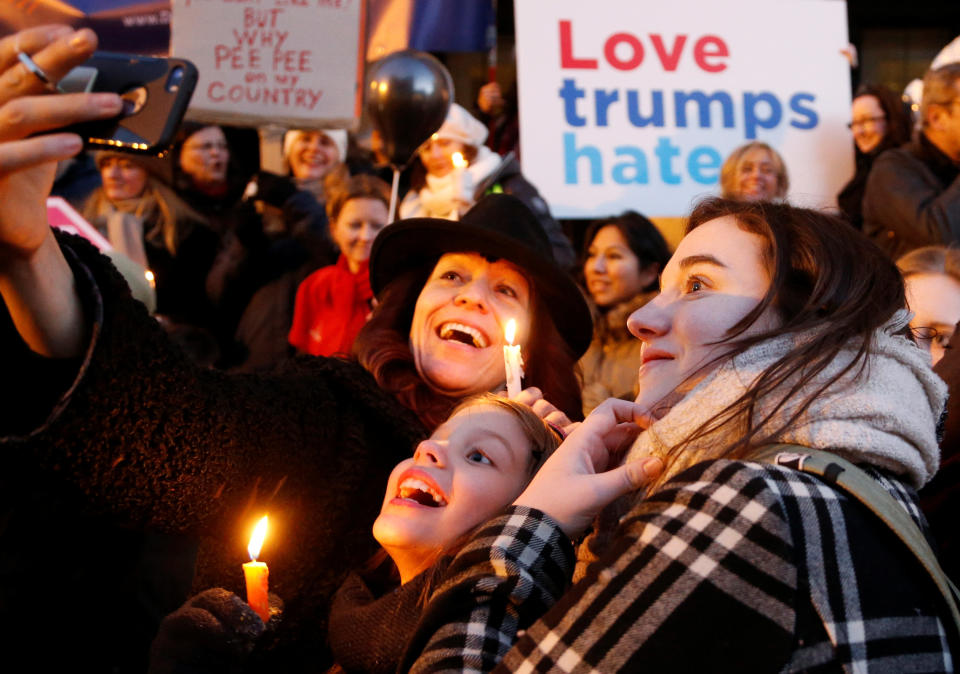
383,348
828,281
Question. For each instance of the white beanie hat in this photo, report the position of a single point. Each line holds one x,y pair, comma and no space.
462,127
338,136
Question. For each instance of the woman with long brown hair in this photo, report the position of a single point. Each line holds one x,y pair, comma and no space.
773,325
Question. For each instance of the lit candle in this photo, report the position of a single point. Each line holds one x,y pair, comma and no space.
512,359
256,573
151,279
459,164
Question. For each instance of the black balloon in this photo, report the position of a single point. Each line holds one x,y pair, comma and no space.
407,99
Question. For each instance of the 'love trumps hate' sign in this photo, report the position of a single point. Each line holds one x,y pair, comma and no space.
635,105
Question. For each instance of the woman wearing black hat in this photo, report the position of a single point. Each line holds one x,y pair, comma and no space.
148,440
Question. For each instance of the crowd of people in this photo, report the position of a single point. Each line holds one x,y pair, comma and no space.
643,502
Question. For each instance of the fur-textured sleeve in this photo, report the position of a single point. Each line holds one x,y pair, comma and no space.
152,441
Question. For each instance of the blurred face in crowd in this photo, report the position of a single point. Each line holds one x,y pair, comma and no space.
358,224
473,465
313,155
756,176
456,335
612,272
437,155
204,157
943,124
122,178
868,122
715,278
934,300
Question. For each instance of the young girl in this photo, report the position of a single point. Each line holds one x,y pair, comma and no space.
471,467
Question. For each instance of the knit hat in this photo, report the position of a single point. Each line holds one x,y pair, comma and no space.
498,226
462,127
338,136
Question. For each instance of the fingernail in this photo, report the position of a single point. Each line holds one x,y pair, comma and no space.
652,467
71,143
108,102
84,39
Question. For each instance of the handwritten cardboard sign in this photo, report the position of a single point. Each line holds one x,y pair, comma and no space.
296,63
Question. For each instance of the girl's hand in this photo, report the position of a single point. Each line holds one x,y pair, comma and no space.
574,484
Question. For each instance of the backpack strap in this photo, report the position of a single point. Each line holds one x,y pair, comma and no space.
852,480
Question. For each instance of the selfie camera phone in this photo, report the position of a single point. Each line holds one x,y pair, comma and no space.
155,91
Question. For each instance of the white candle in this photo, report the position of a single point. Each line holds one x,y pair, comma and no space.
459,165
512,360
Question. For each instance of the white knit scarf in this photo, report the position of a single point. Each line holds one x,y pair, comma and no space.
439,196
887,416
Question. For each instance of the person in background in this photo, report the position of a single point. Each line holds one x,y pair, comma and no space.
621,269
754,172
444,190
932,278
281,236
146,221
499,111
879,122
204,176
334,302
912,197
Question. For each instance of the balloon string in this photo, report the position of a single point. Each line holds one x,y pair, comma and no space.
394,192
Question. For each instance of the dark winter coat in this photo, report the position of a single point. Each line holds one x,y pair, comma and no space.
912,199
141,440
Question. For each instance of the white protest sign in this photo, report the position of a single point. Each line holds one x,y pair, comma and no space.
627,104
296,63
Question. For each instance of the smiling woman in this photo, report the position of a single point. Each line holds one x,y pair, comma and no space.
774,325
180,448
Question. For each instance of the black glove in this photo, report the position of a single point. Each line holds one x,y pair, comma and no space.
274,189
213,631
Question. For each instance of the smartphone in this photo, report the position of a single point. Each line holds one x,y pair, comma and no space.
156,92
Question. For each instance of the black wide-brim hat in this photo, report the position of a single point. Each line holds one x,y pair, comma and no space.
498,226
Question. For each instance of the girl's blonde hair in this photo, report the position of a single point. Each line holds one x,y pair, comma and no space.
543,438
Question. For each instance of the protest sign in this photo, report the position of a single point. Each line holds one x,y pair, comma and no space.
296,63
635,105
61,215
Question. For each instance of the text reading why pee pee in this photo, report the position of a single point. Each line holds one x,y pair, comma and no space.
271,58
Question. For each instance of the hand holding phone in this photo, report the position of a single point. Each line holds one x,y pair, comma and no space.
156,92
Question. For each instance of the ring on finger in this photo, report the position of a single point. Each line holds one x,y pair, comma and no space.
40,74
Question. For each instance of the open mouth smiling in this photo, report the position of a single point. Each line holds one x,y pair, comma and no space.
464,334
418,491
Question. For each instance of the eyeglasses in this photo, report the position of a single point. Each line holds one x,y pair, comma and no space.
206,147
863,122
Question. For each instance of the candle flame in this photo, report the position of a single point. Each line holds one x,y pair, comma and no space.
510,331
151,279
458,160
256,540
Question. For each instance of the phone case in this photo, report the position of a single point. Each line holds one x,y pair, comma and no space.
156,90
